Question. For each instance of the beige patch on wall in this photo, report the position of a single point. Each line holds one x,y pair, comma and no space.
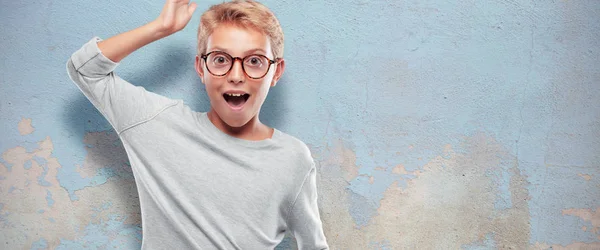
586,215
27,215
586,177
450,202
25,127
336,170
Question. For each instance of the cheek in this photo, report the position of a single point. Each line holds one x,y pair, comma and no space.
210,83
262,89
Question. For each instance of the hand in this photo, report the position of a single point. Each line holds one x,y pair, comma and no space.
175,15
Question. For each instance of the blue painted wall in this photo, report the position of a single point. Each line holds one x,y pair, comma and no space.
435,124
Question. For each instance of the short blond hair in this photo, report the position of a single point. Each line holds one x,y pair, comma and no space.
245,13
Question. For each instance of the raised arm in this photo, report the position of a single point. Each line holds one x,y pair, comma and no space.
91,69
174,17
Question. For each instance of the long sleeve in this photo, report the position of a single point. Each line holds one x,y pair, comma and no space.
304,220
121,103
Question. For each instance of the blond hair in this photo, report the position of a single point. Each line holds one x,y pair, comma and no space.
245,13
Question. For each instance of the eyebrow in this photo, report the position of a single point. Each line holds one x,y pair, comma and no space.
246,53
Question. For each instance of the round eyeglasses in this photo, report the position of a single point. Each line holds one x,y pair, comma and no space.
220,63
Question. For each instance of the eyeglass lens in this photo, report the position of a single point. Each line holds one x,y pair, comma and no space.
255,66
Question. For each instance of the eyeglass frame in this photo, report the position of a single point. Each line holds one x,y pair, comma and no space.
233,59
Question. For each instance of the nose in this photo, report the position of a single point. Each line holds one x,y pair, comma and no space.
236,75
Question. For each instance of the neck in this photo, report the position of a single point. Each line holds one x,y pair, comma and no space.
253,130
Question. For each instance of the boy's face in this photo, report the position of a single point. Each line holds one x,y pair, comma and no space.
223,91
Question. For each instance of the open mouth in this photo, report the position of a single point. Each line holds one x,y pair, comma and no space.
236,100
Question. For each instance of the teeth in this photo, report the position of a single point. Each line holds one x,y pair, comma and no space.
231,94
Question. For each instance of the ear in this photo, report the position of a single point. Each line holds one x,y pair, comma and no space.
198,65
278,71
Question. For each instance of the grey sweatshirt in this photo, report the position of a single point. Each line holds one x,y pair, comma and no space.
200,188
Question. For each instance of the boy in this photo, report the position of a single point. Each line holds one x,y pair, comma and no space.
219,179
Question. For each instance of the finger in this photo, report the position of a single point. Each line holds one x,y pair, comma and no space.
192,8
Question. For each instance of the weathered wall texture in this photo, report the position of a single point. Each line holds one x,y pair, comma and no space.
434,124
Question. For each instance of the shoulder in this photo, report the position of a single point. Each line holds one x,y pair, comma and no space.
297,150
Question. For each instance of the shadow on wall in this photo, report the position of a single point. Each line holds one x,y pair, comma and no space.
273,112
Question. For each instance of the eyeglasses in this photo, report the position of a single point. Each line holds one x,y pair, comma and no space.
220,63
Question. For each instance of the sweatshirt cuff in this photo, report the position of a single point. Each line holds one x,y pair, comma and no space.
89,60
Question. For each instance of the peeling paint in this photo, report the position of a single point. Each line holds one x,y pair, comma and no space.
25,127
586,177
586,215
449,194
25,216
486,242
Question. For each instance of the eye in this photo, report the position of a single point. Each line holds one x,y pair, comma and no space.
219,59
255,61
